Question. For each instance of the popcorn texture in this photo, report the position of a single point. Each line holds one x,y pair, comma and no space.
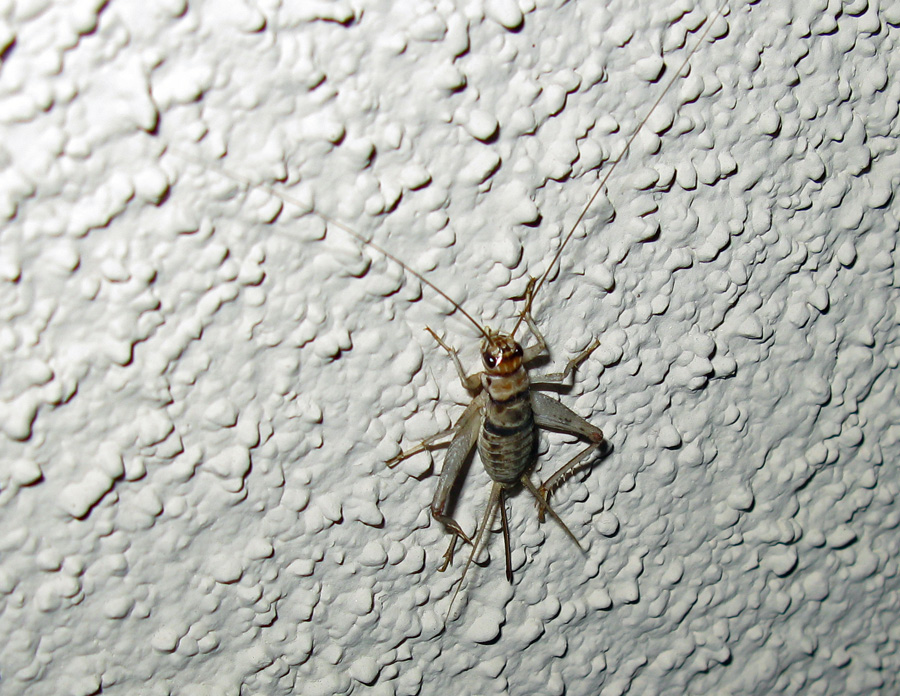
200,382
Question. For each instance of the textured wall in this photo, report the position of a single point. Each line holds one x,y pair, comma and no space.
200,388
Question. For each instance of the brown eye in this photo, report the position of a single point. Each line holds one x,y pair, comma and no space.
489,360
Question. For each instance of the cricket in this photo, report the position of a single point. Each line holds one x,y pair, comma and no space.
508,410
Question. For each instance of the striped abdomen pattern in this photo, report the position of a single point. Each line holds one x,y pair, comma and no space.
507,443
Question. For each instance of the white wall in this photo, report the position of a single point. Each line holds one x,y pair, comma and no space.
198,394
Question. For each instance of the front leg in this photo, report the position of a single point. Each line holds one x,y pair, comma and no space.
539,348
465,435
557,377
470,382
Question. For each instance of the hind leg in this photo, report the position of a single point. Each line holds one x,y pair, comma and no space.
553,415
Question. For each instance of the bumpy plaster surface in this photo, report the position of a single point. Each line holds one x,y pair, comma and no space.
200,387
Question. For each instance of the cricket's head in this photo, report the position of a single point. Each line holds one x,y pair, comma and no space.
500,353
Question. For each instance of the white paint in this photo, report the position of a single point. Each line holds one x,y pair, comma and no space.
162,329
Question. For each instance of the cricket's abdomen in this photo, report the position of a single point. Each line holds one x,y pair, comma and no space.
507,443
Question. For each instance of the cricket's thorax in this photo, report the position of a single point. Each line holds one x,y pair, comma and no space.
508,438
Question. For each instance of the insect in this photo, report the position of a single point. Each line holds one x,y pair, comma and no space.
502,422
503,418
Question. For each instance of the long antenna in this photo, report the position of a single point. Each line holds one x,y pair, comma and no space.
328,220
609,172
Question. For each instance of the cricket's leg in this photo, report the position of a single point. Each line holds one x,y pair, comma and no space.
540,347
553,415
544,507
507,550
465,435
429,443
557,377
470,382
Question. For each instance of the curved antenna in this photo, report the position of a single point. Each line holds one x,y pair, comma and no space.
602,184
287,198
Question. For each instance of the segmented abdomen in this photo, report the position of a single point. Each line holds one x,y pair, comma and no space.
507,443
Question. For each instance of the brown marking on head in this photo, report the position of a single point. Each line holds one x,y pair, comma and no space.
501,354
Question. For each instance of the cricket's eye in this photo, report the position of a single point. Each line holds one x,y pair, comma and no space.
489,360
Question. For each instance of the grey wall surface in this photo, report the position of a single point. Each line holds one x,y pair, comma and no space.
201,382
